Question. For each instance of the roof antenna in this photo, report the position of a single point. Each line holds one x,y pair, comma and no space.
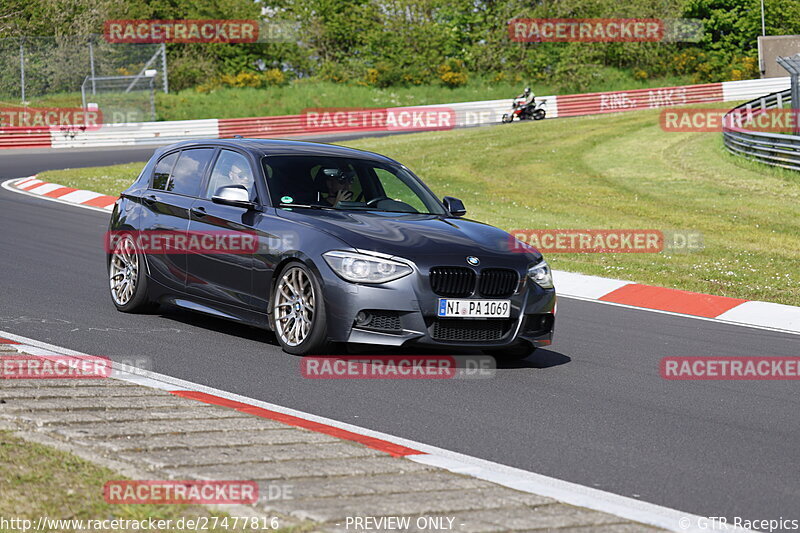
238,137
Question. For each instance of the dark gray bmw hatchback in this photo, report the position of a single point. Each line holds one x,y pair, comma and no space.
322,244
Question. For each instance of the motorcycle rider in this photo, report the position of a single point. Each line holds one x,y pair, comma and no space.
524,107
528,102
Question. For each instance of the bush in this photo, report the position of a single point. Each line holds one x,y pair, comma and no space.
243,79
575,77
190,68
715,66
333,71
274,77
384,75
454,79
270,78
452,73
372,76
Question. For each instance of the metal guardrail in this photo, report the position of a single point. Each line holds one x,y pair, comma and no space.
776,149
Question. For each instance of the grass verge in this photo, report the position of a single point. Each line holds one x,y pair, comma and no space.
608,171
111,180
37,480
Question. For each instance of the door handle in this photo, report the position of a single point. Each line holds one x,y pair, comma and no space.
150,199
199,212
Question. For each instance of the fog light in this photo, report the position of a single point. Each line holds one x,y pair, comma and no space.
363,318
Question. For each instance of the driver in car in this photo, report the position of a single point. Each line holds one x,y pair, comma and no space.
237,176
339,184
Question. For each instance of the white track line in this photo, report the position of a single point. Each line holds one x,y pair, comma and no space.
515,478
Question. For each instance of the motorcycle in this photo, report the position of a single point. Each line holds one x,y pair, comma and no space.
532,111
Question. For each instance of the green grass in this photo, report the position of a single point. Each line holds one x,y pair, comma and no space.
37,480
308,93
615,171
111,180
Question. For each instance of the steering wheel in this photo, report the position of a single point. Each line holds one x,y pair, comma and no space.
377,199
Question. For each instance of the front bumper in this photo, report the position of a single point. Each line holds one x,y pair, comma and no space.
408,307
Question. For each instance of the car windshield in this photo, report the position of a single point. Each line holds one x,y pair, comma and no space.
323,182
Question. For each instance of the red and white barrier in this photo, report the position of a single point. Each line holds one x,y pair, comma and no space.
24,138
613,102
137,133
465,113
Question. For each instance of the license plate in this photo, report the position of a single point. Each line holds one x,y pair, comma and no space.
449,307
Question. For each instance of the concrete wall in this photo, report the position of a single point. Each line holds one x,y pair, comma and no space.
770,47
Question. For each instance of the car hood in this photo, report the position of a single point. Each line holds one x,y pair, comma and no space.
430,238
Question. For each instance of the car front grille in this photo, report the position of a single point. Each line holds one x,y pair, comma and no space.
469,330
459,282
455,282
385,321
498,282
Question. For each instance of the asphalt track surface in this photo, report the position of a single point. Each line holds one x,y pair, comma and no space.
592,410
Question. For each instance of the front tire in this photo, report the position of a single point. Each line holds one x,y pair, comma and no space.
127,278
298,311
507,118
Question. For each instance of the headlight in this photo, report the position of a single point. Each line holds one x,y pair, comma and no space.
362,268
540,273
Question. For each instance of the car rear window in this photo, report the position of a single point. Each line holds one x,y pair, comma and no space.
163,171
189,170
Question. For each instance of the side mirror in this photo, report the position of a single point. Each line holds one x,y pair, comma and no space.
235,195
454,206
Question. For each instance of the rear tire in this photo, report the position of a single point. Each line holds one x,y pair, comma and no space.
298,311
127,279
539,114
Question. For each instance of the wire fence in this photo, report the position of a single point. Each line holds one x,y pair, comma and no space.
50,71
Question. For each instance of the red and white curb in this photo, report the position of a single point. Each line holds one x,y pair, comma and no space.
756,314
761,315
36,187
515,478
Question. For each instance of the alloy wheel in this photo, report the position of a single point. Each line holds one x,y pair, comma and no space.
124,271
294,306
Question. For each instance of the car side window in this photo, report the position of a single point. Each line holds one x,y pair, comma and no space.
163,170
396,189
231,168
188,172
